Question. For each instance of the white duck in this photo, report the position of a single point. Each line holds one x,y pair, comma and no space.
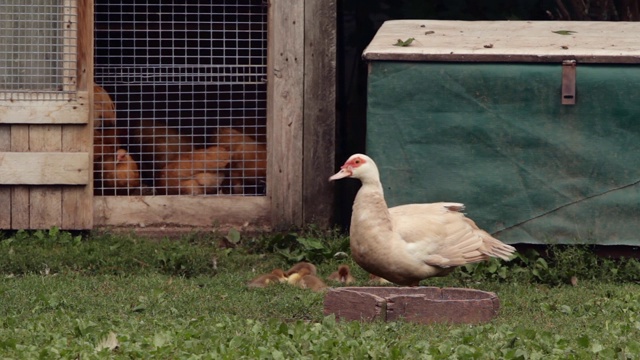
409,243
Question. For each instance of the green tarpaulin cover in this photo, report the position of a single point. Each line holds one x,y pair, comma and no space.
497,138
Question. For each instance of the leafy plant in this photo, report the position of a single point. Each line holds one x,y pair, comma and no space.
313,245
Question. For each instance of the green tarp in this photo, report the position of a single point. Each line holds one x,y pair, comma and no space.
496,138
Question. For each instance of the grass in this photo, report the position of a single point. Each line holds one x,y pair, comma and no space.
61,296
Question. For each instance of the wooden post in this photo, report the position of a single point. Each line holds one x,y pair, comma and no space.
76,201
319,111
301,69
285,111
5,191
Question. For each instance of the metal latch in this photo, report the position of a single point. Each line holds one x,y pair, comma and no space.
568,82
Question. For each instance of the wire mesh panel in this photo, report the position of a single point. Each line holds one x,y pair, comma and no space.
181,102
38,49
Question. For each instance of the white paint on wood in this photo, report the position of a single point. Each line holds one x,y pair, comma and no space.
45,111
507,41
44,168
180,210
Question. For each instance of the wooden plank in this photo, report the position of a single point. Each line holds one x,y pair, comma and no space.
45,201
41,168
69,44
5,191
45,111
181,210
285,96
77,201
319,110
20,194
507,41
85,48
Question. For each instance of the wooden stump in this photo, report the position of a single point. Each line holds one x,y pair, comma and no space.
423,305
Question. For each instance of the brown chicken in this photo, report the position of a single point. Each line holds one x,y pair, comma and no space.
343,275
158,143
201,183
190,166
274,277
248,158
106,141
104,110
119,172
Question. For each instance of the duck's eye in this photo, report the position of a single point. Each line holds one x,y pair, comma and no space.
357,161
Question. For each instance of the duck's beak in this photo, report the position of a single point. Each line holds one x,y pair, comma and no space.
343,173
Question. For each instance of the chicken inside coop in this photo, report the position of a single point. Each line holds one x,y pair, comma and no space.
183,93
152,158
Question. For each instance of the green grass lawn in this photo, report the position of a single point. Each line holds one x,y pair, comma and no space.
62,297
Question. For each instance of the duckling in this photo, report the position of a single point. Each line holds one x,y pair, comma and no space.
295,277
343,275
275,276
305,280
300,266
378,280
312,283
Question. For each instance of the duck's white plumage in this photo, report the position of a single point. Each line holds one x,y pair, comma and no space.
408,243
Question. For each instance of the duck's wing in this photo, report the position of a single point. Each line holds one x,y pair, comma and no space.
438,234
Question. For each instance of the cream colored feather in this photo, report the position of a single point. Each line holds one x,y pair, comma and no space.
408,243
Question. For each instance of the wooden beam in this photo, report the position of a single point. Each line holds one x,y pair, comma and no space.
45,208
77,201
5,191
45,111
20,195
85,48
319,110
44,168
285,96
180,210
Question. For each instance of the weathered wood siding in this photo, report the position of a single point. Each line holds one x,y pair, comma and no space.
46,138
301,113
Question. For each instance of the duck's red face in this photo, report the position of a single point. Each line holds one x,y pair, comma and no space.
347,169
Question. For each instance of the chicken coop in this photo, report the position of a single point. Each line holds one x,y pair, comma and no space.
166,114
533,125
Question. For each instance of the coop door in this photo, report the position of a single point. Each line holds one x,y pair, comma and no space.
45,136
183,101
188,84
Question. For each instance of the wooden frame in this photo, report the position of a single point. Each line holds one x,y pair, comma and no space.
40,130
301,117
300,129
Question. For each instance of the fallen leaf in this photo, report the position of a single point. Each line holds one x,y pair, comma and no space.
488,46
404,43
563,32
110,342
429,32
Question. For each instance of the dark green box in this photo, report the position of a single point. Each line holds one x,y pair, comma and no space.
475,112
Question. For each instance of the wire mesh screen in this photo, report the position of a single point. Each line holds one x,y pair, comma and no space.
181,102
37,49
